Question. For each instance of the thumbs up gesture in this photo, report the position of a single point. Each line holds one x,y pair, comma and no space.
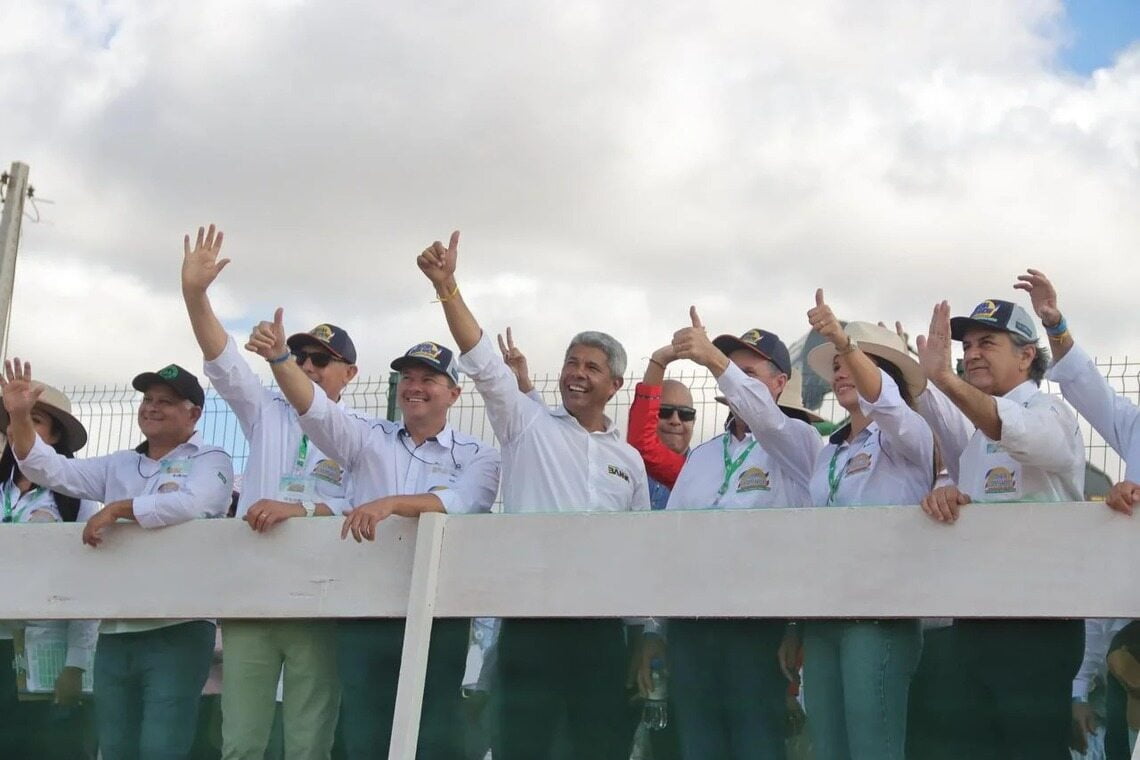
822,320
693,342
267,339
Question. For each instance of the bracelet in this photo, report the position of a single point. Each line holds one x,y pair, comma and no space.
654,361
284,357
1057,338
1058,329
847,349
448,297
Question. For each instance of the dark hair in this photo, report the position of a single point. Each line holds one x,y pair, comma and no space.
894,373
68,506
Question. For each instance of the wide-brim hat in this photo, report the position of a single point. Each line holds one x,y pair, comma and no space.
791,400
875,341
53,402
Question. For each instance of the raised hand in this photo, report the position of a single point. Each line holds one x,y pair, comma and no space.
267,339
822,320
20,394
934,347
438,263
200,265
693,342
1043,295
513,357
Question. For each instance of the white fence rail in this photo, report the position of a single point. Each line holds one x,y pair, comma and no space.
1007,560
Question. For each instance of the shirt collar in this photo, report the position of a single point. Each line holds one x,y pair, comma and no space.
1022,393
194,440
444,437
611,430
839,437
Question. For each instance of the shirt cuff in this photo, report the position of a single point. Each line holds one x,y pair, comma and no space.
223,362
1069,367
889,397
452,500
39,450
145,509
79,657
1081,688
476,361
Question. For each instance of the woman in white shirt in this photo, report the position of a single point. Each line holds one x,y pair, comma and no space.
857,672
51,727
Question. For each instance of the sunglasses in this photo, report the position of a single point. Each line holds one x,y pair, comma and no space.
686,413
320,361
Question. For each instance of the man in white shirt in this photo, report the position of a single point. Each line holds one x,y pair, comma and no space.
565,459
726,680
286,475
1025,446
148,673
418,465
1117,420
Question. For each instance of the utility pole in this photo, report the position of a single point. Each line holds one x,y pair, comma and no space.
15,192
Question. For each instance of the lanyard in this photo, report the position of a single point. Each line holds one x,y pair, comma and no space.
730,465
833,478
8,504
302,456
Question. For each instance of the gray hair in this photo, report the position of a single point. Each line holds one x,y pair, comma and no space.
1040,359
607,344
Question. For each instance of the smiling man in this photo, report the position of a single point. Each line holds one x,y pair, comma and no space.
567,459
148,673
1004,440
401,468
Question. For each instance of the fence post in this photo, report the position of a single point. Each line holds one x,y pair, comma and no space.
393,409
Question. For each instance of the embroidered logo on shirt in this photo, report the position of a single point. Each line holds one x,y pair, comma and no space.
329,471
433,489
1000,480
753,479
222,478
994,448
175,467
615,470
861,462
168,487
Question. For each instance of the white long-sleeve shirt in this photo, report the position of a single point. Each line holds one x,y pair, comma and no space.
280,465
1114,417
550,462
1040,457
891,461
193,480
462,471
1094,665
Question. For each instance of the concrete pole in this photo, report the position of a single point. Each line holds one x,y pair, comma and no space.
15,193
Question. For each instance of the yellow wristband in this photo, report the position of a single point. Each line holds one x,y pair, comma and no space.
448,297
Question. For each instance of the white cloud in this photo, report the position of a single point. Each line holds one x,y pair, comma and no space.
609,164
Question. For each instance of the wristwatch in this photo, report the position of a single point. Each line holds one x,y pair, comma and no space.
309,507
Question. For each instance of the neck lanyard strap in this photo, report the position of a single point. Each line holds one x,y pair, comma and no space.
302,456
732,465
833,478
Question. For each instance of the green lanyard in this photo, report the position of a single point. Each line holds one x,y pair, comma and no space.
302,456
730,465
8,506
833,478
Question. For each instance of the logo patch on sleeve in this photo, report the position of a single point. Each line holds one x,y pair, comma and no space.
753,479
615,470
1000,480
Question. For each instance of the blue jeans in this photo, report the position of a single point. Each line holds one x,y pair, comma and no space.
726,685
856,680
147,690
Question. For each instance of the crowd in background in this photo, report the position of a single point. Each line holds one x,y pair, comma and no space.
916,432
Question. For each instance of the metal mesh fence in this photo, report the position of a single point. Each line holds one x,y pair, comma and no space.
109,411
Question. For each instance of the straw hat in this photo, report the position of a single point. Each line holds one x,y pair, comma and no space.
791,400
53,402
875,341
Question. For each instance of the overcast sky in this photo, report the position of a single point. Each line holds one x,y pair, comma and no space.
608,161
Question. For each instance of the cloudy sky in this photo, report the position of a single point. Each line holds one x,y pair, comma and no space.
608,161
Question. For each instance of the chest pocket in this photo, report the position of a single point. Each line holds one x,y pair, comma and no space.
173,474
1001,479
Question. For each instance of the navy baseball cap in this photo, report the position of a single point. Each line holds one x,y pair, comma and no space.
431,355
995,314
762,342
334,338
180,381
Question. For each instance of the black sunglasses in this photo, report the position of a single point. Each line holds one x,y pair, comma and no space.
319,360
686,413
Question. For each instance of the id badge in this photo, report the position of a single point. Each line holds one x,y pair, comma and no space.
175,467
296,489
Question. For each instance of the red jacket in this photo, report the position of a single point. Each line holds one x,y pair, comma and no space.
661,463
